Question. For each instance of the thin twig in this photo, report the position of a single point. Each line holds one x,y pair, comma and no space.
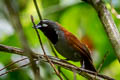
40,17
59,69
11,64
115,12
11,49
102,62
37,9
14,69
56,71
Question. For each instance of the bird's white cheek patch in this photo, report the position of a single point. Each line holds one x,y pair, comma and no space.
44,25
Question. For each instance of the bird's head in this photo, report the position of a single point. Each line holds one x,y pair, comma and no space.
49,28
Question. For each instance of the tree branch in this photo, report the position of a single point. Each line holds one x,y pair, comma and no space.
40,17
83,72
15,21
109,25
56,71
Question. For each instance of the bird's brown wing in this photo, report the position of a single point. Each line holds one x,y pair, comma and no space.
76,44
82,48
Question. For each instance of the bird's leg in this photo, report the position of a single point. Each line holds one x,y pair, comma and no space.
82,62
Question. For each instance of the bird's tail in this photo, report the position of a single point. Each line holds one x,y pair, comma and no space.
87,64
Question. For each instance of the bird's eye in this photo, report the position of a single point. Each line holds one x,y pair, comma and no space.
44,25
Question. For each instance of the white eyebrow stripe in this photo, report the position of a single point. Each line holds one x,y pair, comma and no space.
44,25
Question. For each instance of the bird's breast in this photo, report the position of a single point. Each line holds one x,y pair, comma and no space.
66,50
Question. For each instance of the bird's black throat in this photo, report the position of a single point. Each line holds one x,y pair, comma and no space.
50,33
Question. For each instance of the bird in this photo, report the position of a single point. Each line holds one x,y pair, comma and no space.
67,44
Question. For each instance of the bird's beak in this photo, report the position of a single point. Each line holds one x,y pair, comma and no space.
38,26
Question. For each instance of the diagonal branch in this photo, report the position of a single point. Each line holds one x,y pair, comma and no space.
109,25
15,21
62,63
40,17
56,71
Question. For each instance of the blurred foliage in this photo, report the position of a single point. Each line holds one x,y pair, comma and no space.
76,16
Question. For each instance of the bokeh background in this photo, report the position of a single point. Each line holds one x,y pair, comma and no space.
78,17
